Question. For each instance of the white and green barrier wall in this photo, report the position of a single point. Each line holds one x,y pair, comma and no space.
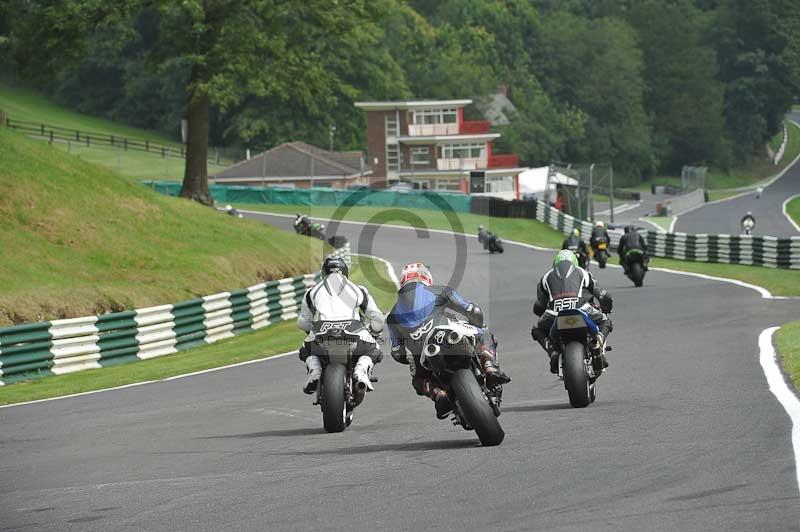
35,350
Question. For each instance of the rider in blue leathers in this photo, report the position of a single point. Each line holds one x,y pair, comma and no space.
420,307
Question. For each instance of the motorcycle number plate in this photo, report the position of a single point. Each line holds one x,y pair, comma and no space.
570,322
601,246
565,303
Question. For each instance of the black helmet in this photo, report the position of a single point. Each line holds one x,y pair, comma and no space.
629,229
335,265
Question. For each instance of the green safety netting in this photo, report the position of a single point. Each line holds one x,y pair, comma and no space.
325,196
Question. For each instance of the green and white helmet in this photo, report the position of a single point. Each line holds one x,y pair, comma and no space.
563,255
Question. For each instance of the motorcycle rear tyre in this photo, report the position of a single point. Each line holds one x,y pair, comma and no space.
474,406
334,411
575,379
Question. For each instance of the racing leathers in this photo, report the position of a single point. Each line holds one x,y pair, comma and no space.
572,285
631,240
336,298
419,309
577,245
599,234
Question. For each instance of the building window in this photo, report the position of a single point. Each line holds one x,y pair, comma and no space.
435,116
392,126
451,184
392,157
473,150
421,155
421,184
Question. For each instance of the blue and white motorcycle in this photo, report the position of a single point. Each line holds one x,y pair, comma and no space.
571,335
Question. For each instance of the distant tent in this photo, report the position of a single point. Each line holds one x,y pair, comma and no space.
534,181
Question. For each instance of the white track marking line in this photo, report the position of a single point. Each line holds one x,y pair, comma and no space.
658,227
779,388
389,268
786,214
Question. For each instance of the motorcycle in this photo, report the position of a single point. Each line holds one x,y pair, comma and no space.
583,258
450,355
303,226
747,226
338,393
635,266
493,244
600,248
570,336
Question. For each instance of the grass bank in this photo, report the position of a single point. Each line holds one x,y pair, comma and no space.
788,344
263,343
779,282
79,240
24,105
793,210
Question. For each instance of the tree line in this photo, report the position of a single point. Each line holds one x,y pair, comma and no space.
648,85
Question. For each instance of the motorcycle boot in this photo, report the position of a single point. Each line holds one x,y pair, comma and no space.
491,370
440,399
314,368
361,373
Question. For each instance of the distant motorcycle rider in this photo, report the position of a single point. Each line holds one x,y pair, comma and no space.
301,223
568,280
420,307
631,240
574,242
599,234
483,235
748,222
336,298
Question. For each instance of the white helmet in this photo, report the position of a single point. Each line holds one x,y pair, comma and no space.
228,207
416,272
600,224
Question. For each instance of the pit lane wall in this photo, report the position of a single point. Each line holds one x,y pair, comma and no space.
36,350
766,251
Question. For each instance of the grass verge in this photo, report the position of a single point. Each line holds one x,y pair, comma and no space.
263,343
778,281
663,222
793,210
80,240
788,344
529,231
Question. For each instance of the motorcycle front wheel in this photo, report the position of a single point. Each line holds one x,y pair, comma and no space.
475,407
575,379
334,411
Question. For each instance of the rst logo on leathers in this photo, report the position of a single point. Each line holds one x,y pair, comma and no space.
565,303
424,329
333,326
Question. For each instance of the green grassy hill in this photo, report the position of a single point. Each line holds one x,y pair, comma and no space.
77,240
24,105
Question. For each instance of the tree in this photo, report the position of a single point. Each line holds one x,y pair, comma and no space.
233,48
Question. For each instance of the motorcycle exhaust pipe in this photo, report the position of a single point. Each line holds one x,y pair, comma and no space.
454,337
432,350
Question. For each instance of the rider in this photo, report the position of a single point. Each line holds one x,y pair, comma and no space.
574,241
301,223
483,235
420,307
567,279
631,240
599,234
748,220
337,298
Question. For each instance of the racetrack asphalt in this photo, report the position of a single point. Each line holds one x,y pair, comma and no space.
684,435
724,217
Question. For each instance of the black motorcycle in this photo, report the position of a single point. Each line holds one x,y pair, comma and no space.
304,226
578,367
583,257
338,393
450,355
635,266
493,244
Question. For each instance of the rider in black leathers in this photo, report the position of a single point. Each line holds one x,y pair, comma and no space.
599,234
574,241
567,280
631,240
420,307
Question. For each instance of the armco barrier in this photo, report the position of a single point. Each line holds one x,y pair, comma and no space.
731,249
324,196
64,346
